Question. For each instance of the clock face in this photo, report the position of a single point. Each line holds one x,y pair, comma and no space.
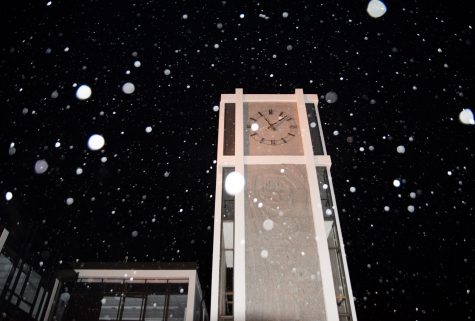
271,126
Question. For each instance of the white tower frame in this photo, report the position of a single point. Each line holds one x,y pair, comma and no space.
238,161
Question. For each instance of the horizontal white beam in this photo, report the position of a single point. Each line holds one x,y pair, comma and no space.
136,274
275,160
320,160
323,160
309,98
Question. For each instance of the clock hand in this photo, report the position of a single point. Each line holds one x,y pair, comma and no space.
277,123
267,120
270,124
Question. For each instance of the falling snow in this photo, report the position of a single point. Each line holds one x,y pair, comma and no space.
466,117
41,166
268,225
376,8
95,142
128,88
331,97
83,92
8,196
395,84
234,183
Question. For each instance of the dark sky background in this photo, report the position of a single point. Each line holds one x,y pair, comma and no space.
401,80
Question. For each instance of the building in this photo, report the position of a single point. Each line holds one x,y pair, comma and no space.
278,252
27,290
131,291
98,291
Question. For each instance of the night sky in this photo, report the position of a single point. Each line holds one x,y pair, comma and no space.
148,195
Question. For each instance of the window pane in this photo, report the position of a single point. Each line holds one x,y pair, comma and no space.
229,124
132,308
17,269
155,307
19,285
109,308
24,306
31,287
178,288
177,307
5,268
314,129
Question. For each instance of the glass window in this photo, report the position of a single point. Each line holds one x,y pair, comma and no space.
109,308
177,307
6,266
325,193
134,301
19,285
229,128
198,307
336,260
31,287
227,250
155,307
227,206
314,129
132,308
24,306
17,269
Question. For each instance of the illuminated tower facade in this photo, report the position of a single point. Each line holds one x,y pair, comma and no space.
278,253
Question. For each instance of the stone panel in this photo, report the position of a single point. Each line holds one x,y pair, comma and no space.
283,281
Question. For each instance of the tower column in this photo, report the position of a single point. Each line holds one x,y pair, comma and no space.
317,210
239,217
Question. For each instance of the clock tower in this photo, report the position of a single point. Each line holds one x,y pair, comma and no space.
278,252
